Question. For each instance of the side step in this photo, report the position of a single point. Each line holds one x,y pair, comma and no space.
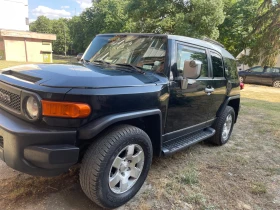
183,142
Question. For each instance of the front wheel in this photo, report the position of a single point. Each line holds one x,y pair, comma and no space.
223,126
116,165
276,84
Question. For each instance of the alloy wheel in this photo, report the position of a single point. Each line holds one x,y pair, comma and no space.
227,127
126,168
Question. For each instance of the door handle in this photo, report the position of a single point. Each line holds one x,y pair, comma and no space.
208,91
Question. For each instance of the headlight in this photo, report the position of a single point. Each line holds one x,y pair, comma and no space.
32,107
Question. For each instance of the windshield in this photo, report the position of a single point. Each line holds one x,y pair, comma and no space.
145,52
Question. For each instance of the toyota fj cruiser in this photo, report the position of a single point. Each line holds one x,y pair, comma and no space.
131,97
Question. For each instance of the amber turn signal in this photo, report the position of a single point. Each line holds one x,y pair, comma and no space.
65,109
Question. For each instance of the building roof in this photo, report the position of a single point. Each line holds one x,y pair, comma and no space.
27,34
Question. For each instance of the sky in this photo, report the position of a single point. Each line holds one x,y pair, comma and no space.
55,9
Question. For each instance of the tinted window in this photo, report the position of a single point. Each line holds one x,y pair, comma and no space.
273,70
230,68
217,63
276,70
189,53
257,69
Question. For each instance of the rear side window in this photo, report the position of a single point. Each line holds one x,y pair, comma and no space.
276,70
217,63
230,68
190,53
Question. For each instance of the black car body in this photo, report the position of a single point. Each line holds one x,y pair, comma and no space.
152,94
261,75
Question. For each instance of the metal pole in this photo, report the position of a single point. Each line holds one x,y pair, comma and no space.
65,41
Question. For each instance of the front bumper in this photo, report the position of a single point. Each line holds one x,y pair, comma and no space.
34,149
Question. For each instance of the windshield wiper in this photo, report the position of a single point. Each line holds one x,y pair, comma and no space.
136,68
101,61
84,60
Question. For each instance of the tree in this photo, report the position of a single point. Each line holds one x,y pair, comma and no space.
41,25
266,30
60,28
195,18
77,31
238,24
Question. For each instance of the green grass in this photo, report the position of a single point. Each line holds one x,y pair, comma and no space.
258,188
189,176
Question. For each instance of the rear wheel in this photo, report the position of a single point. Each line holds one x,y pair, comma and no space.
276,84
116,165
223,126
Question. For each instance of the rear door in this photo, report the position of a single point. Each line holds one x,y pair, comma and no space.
266,78
218,82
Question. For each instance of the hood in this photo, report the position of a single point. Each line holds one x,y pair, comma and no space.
79,76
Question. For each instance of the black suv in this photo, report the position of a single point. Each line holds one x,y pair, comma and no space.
261,75
132,97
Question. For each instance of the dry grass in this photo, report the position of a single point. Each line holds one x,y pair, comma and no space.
28,188
264,93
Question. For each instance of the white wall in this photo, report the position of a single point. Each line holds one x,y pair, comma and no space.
13,14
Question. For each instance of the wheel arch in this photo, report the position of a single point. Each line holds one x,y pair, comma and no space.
149,121
234,102
275,79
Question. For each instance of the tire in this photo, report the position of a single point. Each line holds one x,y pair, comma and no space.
276,84
97,166
219,138
241,79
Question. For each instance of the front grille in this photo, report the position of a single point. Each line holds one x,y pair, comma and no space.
1,142
13,102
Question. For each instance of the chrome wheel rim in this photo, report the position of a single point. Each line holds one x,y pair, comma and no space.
277,84
241,79
126,168
227,127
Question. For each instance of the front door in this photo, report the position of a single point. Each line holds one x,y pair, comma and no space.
189,107
254,75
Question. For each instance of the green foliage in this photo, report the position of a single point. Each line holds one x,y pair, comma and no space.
41,25
266,30
238,24
60,28
195,18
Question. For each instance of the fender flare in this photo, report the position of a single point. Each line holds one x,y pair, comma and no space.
226,102
95,127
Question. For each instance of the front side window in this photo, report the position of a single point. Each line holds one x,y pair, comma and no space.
258,69
217,63
145,52
189,53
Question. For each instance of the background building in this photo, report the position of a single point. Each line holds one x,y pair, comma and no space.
16,42
26,46
14,14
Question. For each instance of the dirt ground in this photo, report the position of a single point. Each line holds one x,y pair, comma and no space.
243,174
